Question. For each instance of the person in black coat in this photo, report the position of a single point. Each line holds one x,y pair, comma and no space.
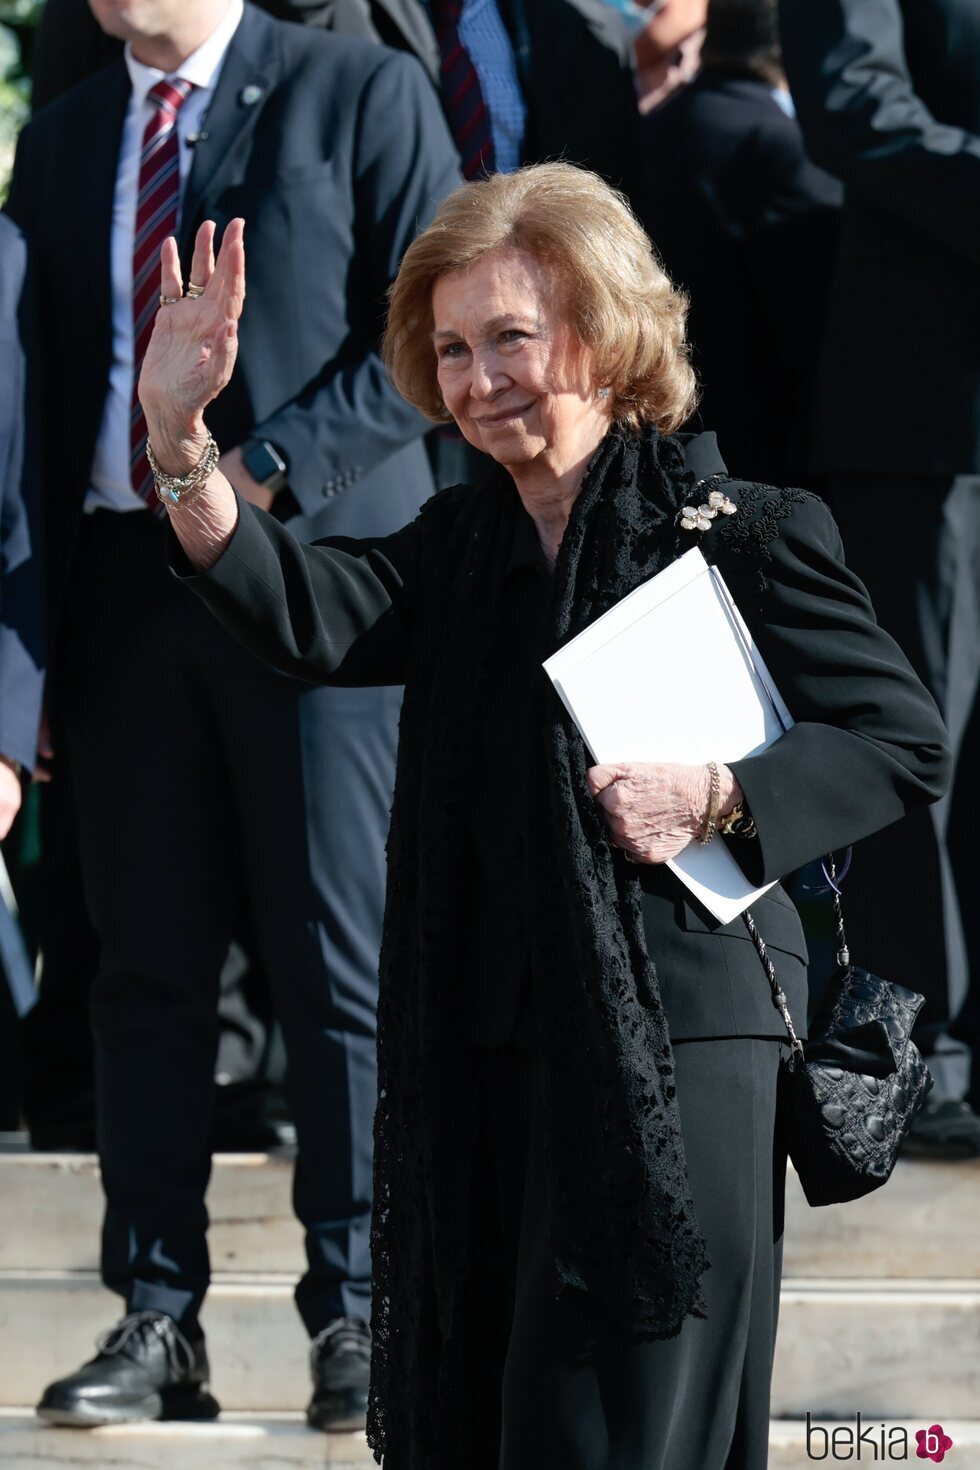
747,224
889,99
575,1121
193,767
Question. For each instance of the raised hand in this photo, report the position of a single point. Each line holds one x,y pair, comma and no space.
194,344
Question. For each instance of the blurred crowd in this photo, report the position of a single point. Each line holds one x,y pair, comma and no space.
809,177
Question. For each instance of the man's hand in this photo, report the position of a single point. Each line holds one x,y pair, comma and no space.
654,810
233,469
10,794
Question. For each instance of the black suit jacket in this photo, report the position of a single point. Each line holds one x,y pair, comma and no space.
747,225
868,742
342,158
21,615
888,93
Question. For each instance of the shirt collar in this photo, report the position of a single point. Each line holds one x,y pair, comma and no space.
201,67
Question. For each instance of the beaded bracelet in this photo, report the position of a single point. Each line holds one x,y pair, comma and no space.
174,490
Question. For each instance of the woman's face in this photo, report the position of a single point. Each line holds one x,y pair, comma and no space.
512,371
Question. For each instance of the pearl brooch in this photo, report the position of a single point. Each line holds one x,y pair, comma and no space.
700,517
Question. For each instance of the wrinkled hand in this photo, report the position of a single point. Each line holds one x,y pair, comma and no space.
654,810
194,344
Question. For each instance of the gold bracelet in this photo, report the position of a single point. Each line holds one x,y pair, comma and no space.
714,806
174,490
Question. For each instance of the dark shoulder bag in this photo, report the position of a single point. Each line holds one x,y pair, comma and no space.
854,1087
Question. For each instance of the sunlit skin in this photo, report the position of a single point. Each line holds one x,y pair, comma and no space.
519,385
162,33
518,381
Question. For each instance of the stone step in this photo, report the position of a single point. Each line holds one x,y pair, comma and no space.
276,1441
51,1213
922,1224
899,1348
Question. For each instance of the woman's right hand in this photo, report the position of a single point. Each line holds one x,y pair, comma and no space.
194,344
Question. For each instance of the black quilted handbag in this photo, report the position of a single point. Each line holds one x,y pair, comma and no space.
854,1087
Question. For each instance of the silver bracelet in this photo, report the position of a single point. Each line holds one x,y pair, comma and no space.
714,806
174,490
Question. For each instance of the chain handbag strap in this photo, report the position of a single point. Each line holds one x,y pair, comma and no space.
830,873
778,994
843,953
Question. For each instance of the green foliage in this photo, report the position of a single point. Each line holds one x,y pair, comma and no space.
18,19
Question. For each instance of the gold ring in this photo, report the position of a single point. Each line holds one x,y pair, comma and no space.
194,291
168,300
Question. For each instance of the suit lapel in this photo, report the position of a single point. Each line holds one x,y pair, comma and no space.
251,68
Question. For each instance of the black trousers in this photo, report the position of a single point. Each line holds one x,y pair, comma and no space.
575,1391
910,909
210,789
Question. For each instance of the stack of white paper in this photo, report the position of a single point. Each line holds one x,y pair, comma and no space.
671,674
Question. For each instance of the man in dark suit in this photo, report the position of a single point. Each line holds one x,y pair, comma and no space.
889,99
747,224
193,768
562,51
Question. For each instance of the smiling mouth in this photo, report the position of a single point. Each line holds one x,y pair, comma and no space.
503,418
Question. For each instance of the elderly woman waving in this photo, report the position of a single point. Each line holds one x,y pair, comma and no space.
578,1168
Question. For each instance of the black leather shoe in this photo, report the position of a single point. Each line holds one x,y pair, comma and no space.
340,1361
145,1369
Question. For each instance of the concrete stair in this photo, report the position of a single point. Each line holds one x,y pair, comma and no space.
282,1442
880,1313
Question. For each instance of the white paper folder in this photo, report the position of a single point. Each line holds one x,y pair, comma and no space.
671,674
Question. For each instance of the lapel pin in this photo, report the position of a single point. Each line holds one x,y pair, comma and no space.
249,95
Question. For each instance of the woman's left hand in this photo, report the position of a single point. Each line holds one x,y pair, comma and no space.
654,810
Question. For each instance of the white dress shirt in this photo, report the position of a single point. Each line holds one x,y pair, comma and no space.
111,484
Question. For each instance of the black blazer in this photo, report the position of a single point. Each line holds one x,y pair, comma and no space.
342,158
21,612
868,743
889,97
748,226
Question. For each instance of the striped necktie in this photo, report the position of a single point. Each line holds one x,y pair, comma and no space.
469,118
157,202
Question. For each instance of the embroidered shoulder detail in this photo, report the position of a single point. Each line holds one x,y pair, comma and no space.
744,539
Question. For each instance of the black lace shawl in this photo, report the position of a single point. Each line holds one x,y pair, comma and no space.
624,1228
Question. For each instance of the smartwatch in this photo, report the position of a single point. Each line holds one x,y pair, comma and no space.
264,463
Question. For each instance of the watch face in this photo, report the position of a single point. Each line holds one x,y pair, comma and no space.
263,463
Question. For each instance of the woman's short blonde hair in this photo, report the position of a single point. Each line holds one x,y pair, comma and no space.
614,291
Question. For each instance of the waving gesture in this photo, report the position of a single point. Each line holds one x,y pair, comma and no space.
194,344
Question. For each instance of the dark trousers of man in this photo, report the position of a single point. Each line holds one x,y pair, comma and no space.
206,782
575,1390
910,912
